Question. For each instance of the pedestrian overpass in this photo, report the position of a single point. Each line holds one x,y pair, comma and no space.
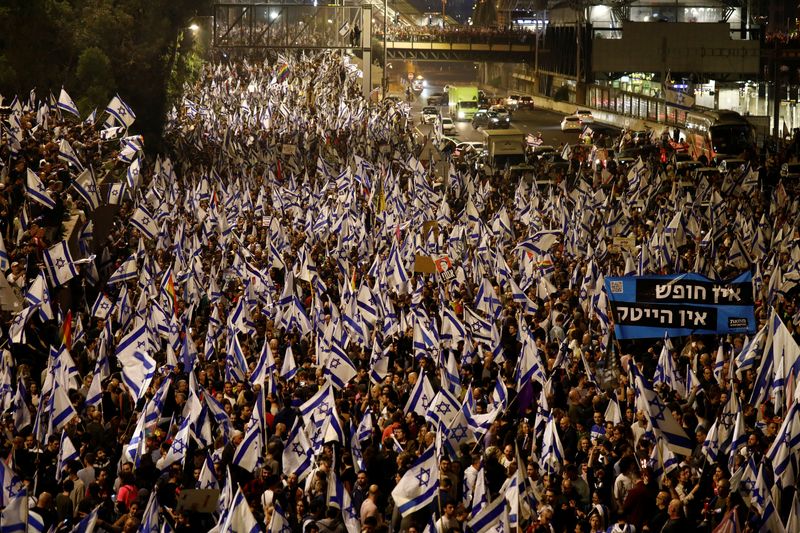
474,49
247,26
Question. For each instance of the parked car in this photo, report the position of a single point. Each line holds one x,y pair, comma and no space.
525,102
585,116
429,115
490,120
571,123
448,126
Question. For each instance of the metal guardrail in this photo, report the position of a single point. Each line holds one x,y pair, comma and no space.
284,26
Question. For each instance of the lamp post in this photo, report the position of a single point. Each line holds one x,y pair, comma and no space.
385,79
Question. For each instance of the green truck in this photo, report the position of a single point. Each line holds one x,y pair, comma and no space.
463,102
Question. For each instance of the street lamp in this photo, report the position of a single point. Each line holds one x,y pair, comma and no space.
194,27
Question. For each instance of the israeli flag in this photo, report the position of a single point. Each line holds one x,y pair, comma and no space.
65,103
35,190
419,486
60,265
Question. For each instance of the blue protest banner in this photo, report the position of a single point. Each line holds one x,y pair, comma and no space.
681,304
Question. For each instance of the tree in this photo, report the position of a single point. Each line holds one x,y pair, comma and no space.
96,48
95,75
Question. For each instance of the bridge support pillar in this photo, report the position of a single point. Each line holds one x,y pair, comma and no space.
366,49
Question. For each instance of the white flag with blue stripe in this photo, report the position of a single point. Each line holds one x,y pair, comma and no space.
68,155
36,191
65,103
240,518
421,396
13,518
142,220
60,266
137,367
493,517
11,484
297,453
119,111
66,454
419,486
86,186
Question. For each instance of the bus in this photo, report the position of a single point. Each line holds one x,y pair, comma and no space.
711,134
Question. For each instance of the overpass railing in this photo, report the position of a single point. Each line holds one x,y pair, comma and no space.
286,26
526,39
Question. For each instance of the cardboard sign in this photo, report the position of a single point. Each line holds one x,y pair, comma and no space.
623,243
198,500
288,149
424,264
428,225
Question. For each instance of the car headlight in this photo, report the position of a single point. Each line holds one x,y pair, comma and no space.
461,114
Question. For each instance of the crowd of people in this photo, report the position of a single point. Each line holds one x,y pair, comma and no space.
241,334
435,33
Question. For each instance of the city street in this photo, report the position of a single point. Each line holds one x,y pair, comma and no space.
527,121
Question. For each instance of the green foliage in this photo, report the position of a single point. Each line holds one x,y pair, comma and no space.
8,76
95,48
561,94
96,76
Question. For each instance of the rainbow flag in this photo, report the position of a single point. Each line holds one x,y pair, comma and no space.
170,288
283,73
66,331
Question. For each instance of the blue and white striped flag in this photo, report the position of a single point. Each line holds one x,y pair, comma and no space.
151,519
102,306
142,220
68,155
421,396
132,176
35,522
249,452
288,367
493,517
36,191
119,111
419,486
11,484
240,518
179,446
208,475
86,186
60,266
138,368
297,453
87,525
66,454
60,409
14,517
279,523
126,271
65,103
